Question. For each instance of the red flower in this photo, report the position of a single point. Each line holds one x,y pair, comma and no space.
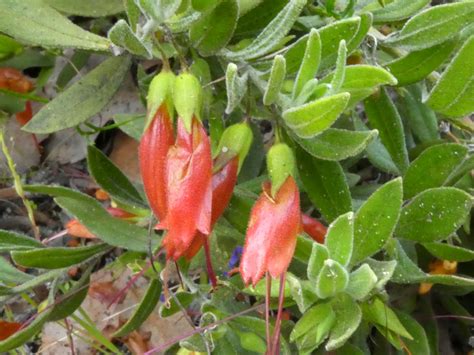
188,178
315,229
153,151
271,236
223,183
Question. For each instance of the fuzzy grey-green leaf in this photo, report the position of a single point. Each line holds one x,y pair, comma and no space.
384,117
310,119
332,279
310,62
361,282
398,10
122,35
87,8
376,219
453,94
326,185
45,27
433,26
83,99
271,35
434,214
432,168
337,144
339,238
275,81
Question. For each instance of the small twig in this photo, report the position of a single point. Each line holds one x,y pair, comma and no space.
69,336
19,187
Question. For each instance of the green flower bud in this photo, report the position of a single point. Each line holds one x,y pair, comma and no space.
159,92
280,164
187,98
236,140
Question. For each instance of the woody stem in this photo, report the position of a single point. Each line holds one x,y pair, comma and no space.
268,281
281,298
210,270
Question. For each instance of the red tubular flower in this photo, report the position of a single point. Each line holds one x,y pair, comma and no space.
271,236
188,189
153,151
315,229
223,183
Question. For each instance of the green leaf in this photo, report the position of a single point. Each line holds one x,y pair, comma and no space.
159,10
69,302
332,279
132,124
275,81
56,258
419,343
38,280
433,26
309,63
81,100
313,327
376,219
236,87
145,308
340,70
417,65
336,32
377,312
26,334
310,119
302,292
376,151
215,28
361,282
122,35
360,81
339,238
11,241
111,179
398,10
453,93
384,117
348,315
98,221
9,47
434,214
450,252
271,34
10,274
337,144
319,254
383,270
87,8
432,168
421,119
326,185
133,13
46,27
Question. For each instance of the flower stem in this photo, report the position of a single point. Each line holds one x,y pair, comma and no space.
210,270
268,295
281,298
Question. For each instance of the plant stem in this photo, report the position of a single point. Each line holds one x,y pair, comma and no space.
210,270
268,281
281,298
